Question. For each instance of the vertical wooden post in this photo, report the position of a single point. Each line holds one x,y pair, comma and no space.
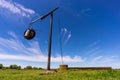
50,42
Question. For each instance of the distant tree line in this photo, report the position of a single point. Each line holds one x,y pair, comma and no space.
14,66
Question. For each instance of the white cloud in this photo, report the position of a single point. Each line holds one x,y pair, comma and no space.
97,58
16,8
68,37
12,34
104,59
68,59
17,46
27,58
65,30
30,52
25,9
65,35
108,59
40,58
92,51
94,44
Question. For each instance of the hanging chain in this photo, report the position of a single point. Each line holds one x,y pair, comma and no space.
60,40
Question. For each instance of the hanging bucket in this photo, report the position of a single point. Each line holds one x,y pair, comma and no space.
29,34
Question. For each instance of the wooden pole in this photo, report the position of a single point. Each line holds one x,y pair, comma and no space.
50,42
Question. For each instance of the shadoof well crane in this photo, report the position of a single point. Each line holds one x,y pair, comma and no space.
30,33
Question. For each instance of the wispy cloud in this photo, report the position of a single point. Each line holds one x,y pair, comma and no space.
104,59
108,59
65,35
12,34
17,46
68,37
40,58
83,12
97,58
93,49
68,59
94,44
30,52
86,12
16,8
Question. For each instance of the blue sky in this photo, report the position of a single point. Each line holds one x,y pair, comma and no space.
89,32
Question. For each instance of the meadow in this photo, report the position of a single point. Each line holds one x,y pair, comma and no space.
60,75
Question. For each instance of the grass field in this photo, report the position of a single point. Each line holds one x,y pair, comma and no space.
66,75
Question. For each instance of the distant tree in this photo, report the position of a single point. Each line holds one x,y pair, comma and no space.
40,68
28,67
19,67
14,66
7,67
1,66
35,68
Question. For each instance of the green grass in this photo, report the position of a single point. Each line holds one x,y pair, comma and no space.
66,75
